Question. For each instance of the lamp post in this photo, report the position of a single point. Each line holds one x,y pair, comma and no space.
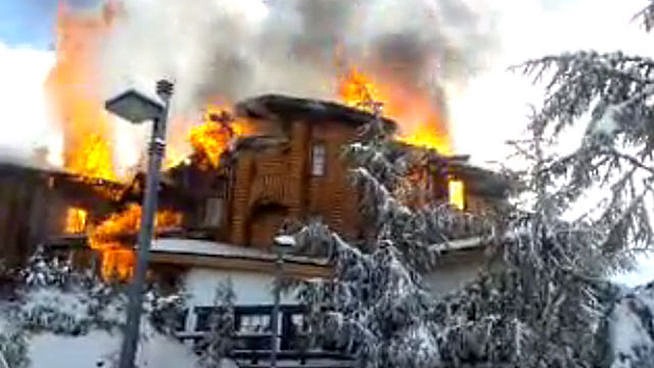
138,108
282,244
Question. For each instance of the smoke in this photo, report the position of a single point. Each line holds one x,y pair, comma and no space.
237,48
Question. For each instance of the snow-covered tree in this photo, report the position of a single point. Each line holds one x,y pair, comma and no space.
220,338
375,306
13,347
57,298
546,306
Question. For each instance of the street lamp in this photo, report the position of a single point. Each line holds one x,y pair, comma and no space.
137,108
283,244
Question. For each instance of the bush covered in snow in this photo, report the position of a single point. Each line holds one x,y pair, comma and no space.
13,347
51,298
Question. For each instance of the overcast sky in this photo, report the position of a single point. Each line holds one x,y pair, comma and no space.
488,110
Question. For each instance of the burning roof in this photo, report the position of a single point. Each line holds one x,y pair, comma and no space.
275,107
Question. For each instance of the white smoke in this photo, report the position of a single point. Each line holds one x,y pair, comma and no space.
233,49
238,48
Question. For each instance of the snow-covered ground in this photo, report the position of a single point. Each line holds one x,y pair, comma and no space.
48,351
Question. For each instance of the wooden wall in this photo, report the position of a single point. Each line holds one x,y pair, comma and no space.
33,208
23,212
273,184
332,196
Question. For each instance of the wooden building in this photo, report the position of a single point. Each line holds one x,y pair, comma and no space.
293,170
39,203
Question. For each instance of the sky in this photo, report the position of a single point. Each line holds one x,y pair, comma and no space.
484,113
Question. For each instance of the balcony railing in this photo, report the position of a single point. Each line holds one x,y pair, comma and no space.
252,340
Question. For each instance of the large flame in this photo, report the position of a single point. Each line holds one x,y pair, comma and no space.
419,117
210,139
107,238
73,89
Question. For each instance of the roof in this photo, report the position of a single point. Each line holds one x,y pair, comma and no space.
212,248
283,107
481,181
28,164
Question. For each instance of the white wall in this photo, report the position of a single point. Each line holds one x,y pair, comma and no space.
256,288
250,287
454,273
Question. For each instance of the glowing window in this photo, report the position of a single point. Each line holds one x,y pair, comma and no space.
456,192
75,220
318,159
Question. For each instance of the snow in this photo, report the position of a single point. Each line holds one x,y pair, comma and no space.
630,328
3,361
48,350
460,244
606,126
201,247
285,240
642,274
209,248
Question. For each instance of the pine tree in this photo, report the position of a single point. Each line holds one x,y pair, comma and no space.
220,339
376,307
545,307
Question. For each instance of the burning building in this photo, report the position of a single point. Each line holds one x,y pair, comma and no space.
273,160
292,169
38,202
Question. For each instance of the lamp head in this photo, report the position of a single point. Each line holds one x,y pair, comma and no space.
135,107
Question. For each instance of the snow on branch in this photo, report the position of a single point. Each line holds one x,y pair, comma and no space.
646,16
588,80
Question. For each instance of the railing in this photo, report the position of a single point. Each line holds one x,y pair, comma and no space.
253,336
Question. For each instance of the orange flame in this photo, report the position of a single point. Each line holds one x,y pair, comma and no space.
73,90
117,257
420,119
210,139
75,220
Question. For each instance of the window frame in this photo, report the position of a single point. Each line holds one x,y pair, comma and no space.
318,167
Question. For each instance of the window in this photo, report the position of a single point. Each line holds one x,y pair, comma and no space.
456,194
75,220
318,159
